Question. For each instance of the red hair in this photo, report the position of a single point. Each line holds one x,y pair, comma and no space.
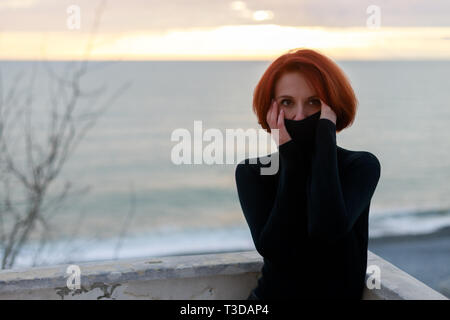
323,74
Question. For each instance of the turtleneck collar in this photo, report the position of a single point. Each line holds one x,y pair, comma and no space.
303,132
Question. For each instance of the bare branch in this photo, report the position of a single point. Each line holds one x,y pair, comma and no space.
43,162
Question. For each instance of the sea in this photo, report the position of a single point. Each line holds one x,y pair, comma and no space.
128,199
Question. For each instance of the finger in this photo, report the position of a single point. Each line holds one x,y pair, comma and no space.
323,104
269,115
273,115
277,112
280,122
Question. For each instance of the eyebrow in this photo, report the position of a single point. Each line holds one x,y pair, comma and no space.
288,96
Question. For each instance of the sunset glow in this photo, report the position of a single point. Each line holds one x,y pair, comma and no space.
242,42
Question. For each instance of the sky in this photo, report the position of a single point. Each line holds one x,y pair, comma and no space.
222,30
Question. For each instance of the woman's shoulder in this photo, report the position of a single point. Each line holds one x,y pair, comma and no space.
357,157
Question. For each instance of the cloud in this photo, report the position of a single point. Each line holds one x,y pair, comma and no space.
259,15
165,15
17,4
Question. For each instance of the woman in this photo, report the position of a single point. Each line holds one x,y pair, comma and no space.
309,221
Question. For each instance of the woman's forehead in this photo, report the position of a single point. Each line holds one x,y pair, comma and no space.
295,85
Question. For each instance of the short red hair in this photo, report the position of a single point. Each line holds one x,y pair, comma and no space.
323,74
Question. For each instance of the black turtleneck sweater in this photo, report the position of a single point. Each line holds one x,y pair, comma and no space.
309,221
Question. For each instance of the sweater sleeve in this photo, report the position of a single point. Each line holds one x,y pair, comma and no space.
269,211
334,202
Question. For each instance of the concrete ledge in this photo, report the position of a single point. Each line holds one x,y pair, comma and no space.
210,276
397,284
207,276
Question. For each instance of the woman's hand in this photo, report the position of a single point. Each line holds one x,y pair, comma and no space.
275,119
327,113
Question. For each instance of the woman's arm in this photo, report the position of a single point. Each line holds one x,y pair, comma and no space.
334,203
268,211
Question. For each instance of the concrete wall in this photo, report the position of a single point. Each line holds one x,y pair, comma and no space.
210,276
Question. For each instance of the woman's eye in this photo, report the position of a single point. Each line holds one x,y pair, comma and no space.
315,102
284,101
